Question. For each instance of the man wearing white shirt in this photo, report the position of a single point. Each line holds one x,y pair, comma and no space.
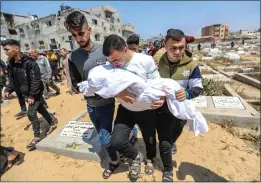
118,54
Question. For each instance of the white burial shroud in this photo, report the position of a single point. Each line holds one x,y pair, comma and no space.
107,82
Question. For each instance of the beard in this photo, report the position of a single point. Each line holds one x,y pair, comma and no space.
86,44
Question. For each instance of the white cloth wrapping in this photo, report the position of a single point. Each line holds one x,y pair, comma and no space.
107,82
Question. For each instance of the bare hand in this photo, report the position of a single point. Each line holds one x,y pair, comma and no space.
30,101
181,94
126,97
6,95
158,103
156,63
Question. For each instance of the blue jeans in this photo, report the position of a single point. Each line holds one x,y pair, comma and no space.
102,118
135,130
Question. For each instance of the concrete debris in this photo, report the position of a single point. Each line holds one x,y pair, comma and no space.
232,56
241,52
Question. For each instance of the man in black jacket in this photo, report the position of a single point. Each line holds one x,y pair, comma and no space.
26,77
20,97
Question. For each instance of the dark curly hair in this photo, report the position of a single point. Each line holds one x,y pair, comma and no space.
133,39
75,20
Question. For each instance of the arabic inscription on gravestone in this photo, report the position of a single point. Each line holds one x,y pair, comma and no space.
78,129
227,102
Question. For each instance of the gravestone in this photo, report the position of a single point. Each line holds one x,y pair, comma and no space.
78,129
200,101
247,70
227,102
77,139
223,109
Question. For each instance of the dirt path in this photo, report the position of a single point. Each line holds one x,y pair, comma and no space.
215,156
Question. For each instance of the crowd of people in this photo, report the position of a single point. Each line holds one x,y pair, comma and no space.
31,75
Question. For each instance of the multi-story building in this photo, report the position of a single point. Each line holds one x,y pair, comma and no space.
49,32
219,31
8,23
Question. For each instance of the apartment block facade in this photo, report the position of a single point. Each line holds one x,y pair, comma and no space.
8,24
219,31
49,32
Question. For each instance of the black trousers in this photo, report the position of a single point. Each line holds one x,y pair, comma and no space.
177,128
123,125
164,130
21,99
38,106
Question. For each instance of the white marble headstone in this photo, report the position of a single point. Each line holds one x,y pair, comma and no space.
227,102
78,129
200,101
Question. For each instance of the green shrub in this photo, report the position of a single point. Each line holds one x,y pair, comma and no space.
212,87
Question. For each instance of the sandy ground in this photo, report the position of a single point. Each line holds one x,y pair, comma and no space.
249,57
215,156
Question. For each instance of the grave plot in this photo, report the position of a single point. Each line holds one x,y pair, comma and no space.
77,139
209,73
243,74
220,105
227,109
255,75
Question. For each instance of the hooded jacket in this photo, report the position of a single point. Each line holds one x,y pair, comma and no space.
25,76
186,72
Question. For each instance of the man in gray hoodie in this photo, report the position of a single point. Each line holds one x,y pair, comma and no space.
80,62
46,72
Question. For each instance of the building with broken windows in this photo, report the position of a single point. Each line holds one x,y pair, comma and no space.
48,32
8,24
219,31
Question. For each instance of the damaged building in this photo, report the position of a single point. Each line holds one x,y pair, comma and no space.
219,31
48,32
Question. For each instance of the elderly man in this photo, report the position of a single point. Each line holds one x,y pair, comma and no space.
46,72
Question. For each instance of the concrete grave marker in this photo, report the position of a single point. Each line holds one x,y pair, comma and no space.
78,129
200,101
77,139
227,102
